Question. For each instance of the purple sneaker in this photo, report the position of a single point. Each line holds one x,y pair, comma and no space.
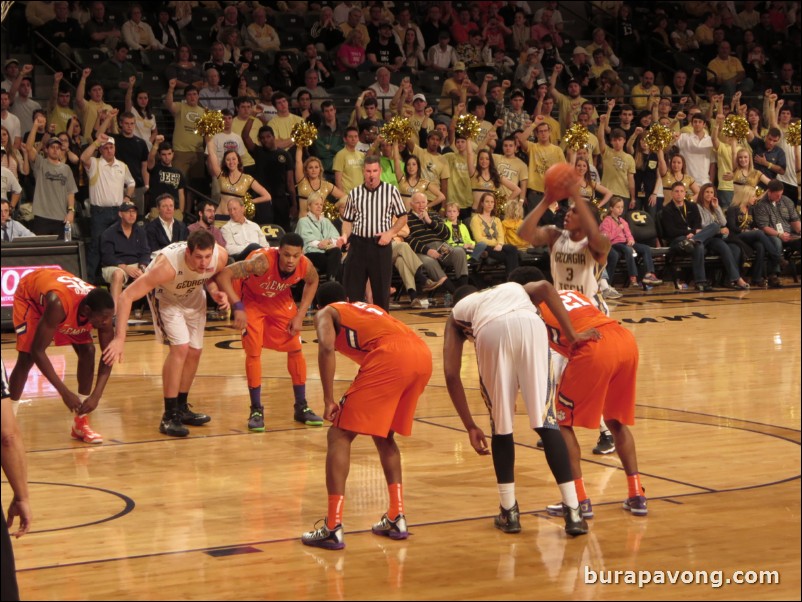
636,505
322,537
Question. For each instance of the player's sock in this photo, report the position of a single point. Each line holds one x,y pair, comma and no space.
170,405
335,515
503,451
603,428
506,495
182,398
256,397
633,485
300,395
569,494
580,488
396,500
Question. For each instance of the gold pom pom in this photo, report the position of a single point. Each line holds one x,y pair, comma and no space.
576,137
659,137
468,127
759,192
330,211
250,207
398,129
500,196
210,123
736,127
792,134
304,134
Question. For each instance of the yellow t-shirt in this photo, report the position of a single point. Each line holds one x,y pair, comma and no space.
417,123
569,108
540,159
61,117
184,137
446,104
282,126
640,96
617,167
556,129
511,168
511,233
725,70
350,163
459,184
433,167
89,115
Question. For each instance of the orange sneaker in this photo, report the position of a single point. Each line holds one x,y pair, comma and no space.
83,432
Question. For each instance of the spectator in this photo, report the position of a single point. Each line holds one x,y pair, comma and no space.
648,184
137,102
495,31
10,72
39,14
165,229
212,95
410,181
697,150
64,33
227,70
618,171
313,60
184,70
599,65
729,72
139,35
403,21
284,121
385,91
354,23
164,178
428,237
316,92
368,132
115,74
231,139
776,215
22,105
11,229
682,88
187,145
741,223
320,239
600,41
351,53
570,105
434,166
545,26
261,35
459,235
748,18
330,138
383,51
125,251
230,19
273,166
476,53
166,31
704,33
455,89
644,92
433,26
622,243
674,172
462,26
682,37
542,155
10,122
487,228
242,236
348,163
132,150
54,195
325,33
485,178
59,110
520,32
99,31
442,56
229,36
206,221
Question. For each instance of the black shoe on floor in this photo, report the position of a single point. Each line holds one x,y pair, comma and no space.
187,416
171,425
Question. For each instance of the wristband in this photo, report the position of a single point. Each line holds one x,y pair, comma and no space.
238,306
70,209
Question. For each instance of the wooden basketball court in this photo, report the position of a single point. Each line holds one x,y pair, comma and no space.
218,515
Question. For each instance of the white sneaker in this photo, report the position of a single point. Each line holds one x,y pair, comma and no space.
419,303
611,293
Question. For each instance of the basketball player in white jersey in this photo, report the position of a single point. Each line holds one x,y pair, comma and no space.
174,282
512,352
578,255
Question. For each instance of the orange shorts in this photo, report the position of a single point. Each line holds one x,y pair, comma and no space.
26,318
385,392
267,328
600,380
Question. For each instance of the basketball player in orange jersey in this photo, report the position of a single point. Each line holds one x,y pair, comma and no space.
55,306
578,253
266,313
395,366
599,379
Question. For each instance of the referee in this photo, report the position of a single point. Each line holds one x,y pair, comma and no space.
369,229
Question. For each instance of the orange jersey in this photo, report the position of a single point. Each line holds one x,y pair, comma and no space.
582,313
29,306
272,286
362,328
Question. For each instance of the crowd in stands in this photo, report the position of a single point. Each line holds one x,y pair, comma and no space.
114,139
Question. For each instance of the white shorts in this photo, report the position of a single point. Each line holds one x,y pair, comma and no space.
513,353
108,271
178,324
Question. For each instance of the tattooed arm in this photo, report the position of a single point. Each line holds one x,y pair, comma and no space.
239,271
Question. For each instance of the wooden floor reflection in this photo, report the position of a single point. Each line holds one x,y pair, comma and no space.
218,515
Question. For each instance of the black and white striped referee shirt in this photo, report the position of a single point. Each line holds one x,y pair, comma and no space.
372,211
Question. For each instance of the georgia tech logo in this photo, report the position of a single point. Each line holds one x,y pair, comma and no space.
270,231
281,159
639,217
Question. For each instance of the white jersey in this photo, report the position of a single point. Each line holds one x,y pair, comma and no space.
573,268
187,288
475,311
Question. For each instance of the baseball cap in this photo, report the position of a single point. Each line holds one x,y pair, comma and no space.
572,81
53,140
459,66
580,50
419,97
109,141
10,61
127,206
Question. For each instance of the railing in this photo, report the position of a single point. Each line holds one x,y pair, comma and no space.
43,41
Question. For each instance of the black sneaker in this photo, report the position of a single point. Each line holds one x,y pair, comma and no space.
187,416
508,521
306,416
605,445
575,524
171,425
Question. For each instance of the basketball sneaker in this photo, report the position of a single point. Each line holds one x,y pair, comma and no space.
187,416
508,521
256,422
83,432
323,537
575,523
171,425
306,416
605,445
558,509
636,505
394,529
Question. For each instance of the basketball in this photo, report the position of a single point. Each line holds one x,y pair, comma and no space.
559,180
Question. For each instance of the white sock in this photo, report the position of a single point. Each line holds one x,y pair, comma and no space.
506,494
603,428
568,493
603,284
